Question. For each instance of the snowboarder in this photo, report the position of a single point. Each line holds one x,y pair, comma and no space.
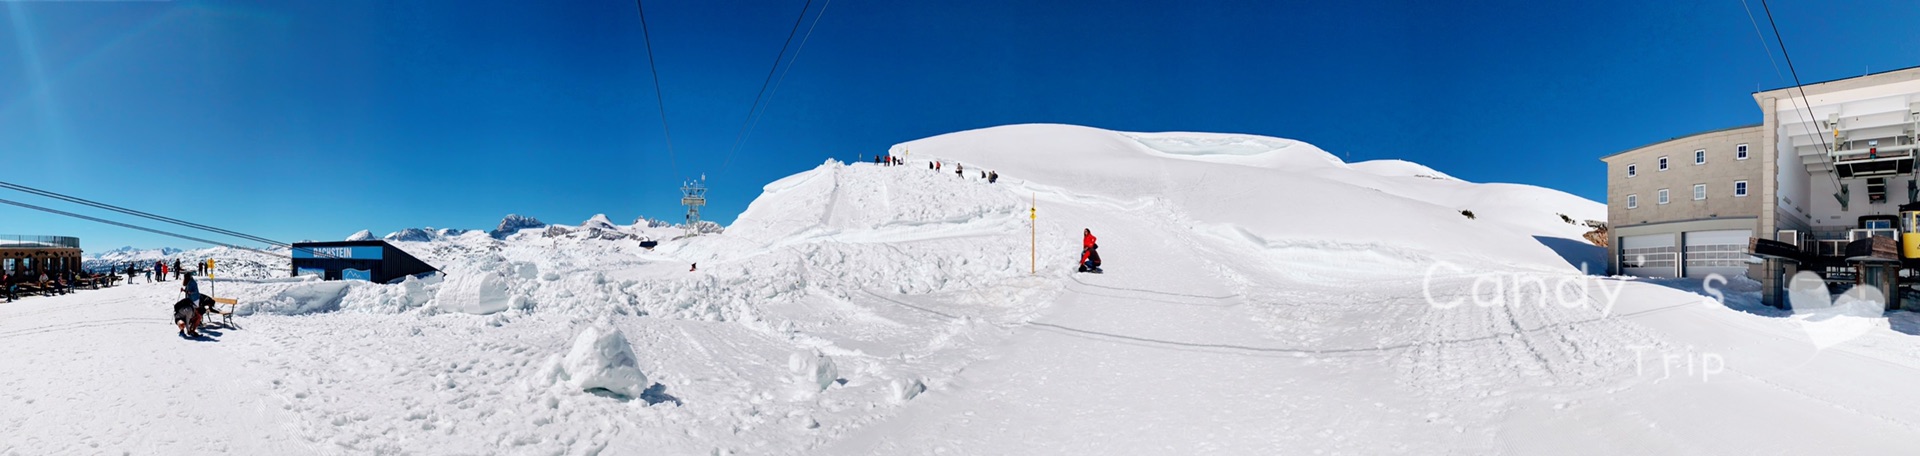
1089,253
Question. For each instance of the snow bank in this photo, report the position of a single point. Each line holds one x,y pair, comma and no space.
1282,192
301,298
478,293
601,360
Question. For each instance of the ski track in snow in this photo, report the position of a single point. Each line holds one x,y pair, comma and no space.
1212,331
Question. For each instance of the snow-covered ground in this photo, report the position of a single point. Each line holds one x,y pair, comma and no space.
1260,297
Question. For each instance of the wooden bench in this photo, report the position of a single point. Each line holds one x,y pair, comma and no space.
226,316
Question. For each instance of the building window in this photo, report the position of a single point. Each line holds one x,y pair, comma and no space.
1700,157
1740,152
1632,170
1739,188
1663,196
1663,163
1633,201
1699,192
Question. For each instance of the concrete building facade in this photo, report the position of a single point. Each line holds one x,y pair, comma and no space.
1827,162
1677,208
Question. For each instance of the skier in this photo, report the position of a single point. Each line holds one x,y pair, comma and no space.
1089,253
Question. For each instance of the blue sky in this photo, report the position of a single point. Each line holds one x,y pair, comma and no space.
311,120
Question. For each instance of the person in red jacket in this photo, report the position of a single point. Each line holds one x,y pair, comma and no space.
1089,252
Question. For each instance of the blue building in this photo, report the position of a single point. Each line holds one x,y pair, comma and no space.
373,261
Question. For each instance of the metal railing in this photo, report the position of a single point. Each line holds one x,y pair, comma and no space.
21,240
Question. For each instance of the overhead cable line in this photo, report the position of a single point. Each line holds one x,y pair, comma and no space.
738,138
1763,39
136,227
150,216
136,213
658,98
755,119
1808,106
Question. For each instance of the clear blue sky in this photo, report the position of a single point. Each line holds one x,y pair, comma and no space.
313,119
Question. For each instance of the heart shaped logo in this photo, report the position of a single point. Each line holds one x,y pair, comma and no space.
1829,321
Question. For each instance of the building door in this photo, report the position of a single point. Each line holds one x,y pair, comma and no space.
1721,252
1647,256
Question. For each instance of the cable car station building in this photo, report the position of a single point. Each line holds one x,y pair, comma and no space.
29,256
373,261
1823,184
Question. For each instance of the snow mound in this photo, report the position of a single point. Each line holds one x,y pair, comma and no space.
602,360
906,389
1281,196
299,298
362,235
814,372
478,293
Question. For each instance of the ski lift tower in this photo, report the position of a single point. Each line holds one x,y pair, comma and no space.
693,194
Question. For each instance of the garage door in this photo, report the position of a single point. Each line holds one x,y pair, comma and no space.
1717,252
1647,256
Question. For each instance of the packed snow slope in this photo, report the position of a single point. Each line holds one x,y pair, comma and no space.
1260,297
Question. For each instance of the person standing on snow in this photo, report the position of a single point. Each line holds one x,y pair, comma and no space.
176,267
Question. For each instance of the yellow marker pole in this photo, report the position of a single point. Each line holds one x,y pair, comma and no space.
210,277
1033,248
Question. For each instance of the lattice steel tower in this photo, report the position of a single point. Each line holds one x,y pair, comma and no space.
693,194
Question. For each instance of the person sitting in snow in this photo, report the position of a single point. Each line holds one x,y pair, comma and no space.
1089,252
